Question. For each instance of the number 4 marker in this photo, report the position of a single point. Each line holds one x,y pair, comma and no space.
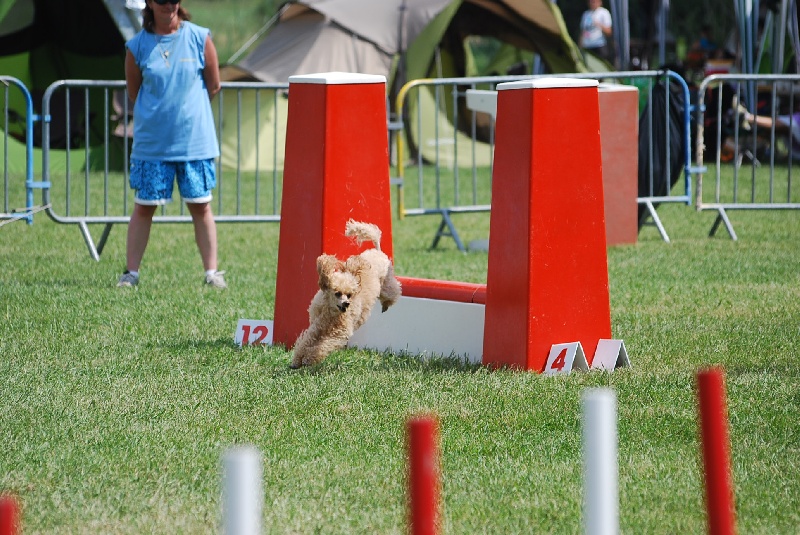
564,357
253,332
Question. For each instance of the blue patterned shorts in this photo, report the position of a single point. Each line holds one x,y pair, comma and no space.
153,181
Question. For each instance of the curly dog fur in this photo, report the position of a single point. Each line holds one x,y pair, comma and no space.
347,292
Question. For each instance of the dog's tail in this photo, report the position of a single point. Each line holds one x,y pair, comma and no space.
363,232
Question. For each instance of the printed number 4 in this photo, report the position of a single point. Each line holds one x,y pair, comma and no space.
560,361
261,331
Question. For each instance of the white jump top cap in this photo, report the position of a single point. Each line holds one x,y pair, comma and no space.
337,78
548,83
616,87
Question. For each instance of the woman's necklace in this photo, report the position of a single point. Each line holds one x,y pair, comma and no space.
164,52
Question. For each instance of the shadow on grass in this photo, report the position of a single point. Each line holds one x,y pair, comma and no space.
191,345
342,361
427,362
350,359
222,349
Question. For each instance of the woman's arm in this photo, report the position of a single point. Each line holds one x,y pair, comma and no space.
211,70
133,76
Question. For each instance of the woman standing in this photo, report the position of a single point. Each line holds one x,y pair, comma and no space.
172,73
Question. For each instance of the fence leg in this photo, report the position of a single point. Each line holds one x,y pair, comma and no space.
87,237
656,220
102,243
452,232
722,217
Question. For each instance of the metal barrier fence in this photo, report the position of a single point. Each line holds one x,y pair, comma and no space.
753,162
85,135
86,140
15,129
449,147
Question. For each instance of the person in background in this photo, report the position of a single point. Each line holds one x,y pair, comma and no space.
705,44
172,73
787,125
595,31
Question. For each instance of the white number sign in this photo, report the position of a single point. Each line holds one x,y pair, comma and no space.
564,358
253,332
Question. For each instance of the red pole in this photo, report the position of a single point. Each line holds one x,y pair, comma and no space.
9,522
423,480
716,452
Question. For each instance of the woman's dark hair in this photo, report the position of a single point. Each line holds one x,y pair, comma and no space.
148,19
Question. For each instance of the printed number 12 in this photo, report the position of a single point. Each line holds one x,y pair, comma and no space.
261,331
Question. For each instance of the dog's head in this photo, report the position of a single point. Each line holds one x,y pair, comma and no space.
337,285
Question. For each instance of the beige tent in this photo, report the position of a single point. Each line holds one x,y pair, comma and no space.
399,39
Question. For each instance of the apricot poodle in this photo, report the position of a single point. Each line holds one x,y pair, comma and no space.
347,292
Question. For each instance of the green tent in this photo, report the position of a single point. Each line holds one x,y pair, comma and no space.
42,41
399,39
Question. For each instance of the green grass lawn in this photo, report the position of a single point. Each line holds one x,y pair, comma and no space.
117,405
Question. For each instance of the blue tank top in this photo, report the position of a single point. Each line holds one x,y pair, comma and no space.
172,118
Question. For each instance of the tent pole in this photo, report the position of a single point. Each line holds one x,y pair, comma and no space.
793,32
400,76
258,34
780,38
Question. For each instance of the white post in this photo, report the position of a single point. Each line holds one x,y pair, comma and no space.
242,491
601,501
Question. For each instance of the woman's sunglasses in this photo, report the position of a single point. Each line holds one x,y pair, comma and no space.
162,2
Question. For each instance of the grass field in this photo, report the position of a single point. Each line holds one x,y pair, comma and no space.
116,406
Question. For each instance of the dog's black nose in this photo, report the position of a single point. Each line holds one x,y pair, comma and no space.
344,306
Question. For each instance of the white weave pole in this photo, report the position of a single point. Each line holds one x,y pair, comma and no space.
242,491
601,500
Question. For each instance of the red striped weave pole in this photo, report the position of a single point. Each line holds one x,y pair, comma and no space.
9,516
716,452
423,477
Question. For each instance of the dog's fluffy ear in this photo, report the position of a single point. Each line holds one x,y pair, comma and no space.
356,264
327,265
